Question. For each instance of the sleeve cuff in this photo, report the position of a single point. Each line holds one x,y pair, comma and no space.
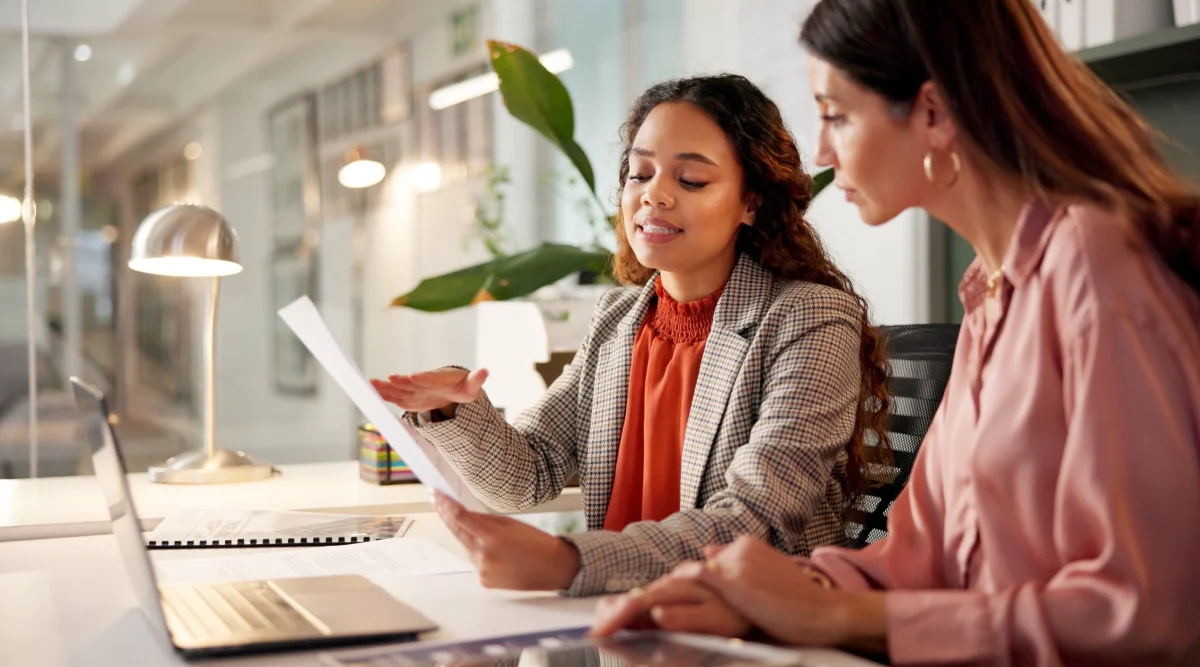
605,565
458,438
832,562
926,627
424,418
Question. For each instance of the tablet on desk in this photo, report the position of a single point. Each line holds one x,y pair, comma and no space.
569,648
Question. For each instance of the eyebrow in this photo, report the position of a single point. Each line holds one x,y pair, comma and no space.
822,97
690,157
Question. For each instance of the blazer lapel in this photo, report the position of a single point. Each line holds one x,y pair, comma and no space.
746,296
608,410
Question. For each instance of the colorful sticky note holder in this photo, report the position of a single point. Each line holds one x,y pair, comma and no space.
377,461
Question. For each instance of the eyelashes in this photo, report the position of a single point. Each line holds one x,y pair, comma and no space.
690,185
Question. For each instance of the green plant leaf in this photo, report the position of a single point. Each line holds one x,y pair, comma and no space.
505,278
821,180
529,271
447,291
536,97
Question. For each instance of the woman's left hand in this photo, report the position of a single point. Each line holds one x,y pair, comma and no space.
510,554
780,597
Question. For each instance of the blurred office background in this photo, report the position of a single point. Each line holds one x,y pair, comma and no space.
250,107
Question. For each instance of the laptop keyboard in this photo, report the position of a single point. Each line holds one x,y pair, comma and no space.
242,609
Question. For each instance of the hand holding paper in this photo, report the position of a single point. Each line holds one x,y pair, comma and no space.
426,463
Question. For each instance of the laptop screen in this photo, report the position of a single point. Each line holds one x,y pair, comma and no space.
110,472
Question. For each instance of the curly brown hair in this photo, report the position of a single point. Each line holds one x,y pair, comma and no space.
781,240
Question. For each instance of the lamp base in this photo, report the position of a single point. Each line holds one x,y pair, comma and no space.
200,467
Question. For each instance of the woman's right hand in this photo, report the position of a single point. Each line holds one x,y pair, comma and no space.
442,389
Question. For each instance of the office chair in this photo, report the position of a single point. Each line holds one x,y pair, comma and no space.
921,356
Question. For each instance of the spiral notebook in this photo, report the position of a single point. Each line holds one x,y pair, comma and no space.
208,528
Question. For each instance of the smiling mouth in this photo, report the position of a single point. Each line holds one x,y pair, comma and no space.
653,228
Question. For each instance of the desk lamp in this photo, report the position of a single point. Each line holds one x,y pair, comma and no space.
196,242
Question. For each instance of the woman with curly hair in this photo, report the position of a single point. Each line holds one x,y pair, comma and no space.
727,390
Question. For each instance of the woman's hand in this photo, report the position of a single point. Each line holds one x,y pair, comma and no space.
442,389
510,554
671,603
783,599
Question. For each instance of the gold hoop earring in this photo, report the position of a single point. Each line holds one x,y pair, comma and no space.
954,160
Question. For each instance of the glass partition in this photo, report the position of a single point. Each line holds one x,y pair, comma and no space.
254,109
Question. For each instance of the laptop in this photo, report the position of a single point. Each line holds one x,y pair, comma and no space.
238,617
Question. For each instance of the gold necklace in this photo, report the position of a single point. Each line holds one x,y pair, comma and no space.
994,280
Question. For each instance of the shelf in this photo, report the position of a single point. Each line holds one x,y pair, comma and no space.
1164,54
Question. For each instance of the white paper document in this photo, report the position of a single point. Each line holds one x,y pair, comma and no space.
234,527
373,560
430,467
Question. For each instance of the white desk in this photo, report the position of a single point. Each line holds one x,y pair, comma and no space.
73,506
67,602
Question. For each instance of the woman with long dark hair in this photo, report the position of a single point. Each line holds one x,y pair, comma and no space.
1053,514
726,391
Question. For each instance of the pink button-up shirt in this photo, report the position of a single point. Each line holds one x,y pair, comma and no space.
1053,513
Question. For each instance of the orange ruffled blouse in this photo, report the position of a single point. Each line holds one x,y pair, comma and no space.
662,378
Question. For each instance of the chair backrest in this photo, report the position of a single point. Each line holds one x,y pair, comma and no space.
921,356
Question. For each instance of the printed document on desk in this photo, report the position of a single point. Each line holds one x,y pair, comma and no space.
422,457
202,527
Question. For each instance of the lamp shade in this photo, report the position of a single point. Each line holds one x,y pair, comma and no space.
185,240
360,171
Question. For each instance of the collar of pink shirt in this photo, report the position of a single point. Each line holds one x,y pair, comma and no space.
1029,242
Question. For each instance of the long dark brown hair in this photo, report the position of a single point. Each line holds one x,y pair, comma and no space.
781,240
1026,106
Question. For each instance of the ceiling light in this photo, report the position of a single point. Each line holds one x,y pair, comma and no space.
360,171
10,209
457,93
192,151
427,176
83,53
125,73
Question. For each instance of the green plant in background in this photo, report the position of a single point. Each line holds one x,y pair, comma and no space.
489,213
538,98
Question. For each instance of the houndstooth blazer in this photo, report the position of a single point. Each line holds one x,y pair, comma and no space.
764,448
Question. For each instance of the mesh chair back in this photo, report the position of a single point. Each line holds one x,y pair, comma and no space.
921,356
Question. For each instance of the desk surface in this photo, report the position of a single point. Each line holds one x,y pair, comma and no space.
67,602
73,506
